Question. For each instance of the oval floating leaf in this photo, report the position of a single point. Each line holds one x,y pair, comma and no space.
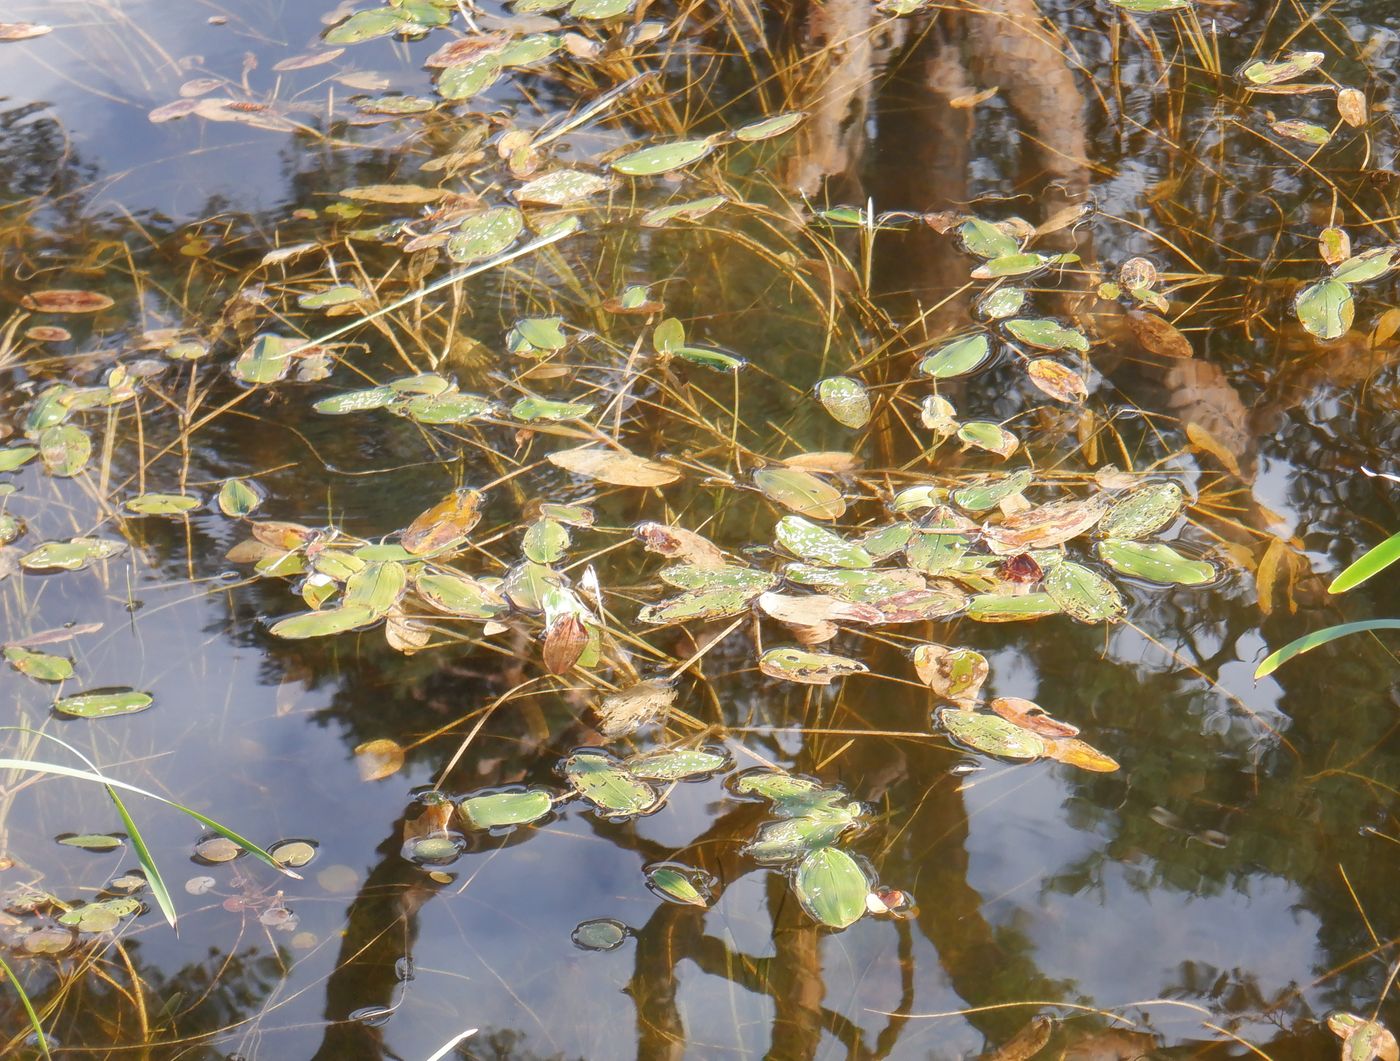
92,841
1143,511
161,504
103,703
678,764
800,491
599,934
807,540
617,467
561,188
1046,334
679,884
662,158
767,128
500,809
1083,593
608,785
957,358
72,555
1368,265
990,734
1155,562
323,623
65,449
64,300
486,234
990,491
809,668
846,400
1058,381
831,886
1008,608
39,665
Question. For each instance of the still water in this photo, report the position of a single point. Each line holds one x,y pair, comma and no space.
1217,896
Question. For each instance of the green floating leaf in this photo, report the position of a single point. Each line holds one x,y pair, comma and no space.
366,25
991,437
561,188
793,838
1143,511
100,916
809,668
1155,562
990,734
376,587
731,576
545,541
957,358
1011,265
322,623
103,703
339,295
355,401
498,810
986,240
161,504
530,410
266,360
831,886
602,933
1084,593
678,764
1008,608
486,234
860,587
72,555
1001,303
39,665
239,497
65,449
1046,334
811,542
459,596
1308,642
690,210
1370,563
1295,64
530,49
446,408
680,884
715,359
846,400
1306,132
800,491
989,491
15,456
662,158
92,841
608,785
717,602
293,854
767,128
537,334
1368,265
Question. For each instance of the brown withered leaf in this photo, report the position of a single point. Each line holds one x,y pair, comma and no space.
973,98
1351,105
1026,1043
564,643
64,300
833,462
394,194
617,467
939,600
307,60
1020,568
1159,336
1074,752
955,674
1205,442
280,535
815,609
678,543
404,634
466,49
22,31
1057,380
447,522
1046,526
1029,715
378,759
629,709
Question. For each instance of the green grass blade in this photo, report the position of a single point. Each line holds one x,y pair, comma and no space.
1372,562
148,862
1308,642
138,842
28,1007
58,769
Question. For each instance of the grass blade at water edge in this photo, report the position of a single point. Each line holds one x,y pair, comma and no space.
1308,642
28,1007
1372,562
38,767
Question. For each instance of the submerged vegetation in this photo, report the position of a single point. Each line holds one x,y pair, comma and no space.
770,508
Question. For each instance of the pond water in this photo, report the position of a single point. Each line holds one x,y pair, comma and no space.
1212,876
